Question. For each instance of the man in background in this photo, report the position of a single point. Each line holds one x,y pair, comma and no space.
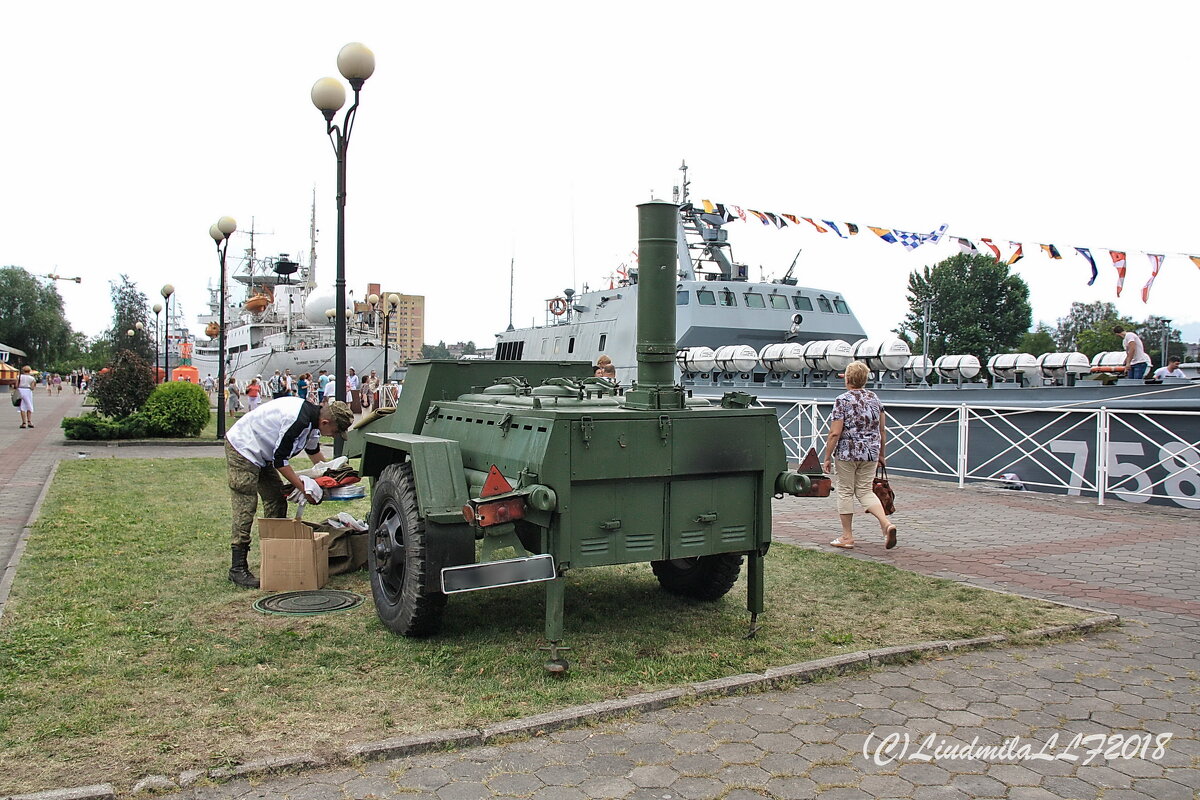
1136,360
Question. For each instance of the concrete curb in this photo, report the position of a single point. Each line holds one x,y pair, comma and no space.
10,570
539,724
143,442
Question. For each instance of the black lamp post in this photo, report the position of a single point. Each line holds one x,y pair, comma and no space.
157,308
220,232
356,63
167,291
389,308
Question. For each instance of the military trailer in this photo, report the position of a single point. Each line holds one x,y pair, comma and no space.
496,473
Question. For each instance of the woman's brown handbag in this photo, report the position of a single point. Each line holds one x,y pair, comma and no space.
883,490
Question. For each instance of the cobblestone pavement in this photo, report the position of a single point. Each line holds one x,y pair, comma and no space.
1113,715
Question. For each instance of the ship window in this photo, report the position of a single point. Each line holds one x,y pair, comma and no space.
754,300
681,298
823,304
571,345
545,344
841,306
557,345
603,341
802,303
726,297
779,301
705,297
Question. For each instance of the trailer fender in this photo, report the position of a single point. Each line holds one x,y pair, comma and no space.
437,470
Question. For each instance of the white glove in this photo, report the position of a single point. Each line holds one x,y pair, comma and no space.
311,489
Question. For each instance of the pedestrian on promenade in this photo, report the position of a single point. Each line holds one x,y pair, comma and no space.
57,383
1136,360
258,451
233,397
25,384
254,392
857,440
302,385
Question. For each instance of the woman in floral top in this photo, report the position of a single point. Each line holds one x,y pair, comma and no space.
857,435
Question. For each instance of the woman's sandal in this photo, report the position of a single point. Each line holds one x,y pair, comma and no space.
839,543
889,538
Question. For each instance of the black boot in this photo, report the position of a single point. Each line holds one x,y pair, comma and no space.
239,570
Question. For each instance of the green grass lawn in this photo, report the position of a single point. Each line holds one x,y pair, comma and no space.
124,651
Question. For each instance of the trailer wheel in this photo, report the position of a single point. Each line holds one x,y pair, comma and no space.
701,577
398,558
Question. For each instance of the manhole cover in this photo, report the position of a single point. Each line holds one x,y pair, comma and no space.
320,601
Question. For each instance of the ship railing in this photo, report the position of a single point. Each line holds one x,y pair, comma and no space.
1133,455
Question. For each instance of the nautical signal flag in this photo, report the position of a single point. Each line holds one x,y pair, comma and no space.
883,233
968,247
1086,253
1118,258
1155,265
911,241
1017,255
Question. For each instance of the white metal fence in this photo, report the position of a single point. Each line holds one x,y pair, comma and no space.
1136,456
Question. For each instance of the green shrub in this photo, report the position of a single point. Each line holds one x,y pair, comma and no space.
125,387
174,410
91,426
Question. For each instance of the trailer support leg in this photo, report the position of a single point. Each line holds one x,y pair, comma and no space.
555,600
754,590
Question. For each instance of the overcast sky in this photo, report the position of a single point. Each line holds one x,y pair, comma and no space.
529,131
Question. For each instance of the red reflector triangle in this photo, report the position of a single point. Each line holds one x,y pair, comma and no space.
495,484
810,462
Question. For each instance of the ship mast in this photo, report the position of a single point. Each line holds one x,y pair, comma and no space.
312,244
511,267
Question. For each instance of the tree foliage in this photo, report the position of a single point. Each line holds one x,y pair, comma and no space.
1037,341
435,351
31,318
978,307
177,409
125,387
1152,331
130,308
1082,317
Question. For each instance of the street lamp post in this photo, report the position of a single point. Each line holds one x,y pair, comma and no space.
167,291
389,308
220,232
356,63
157,308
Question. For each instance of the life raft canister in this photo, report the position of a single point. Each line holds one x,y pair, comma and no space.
558,306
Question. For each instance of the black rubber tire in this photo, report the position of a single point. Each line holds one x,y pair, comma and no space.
397,557
700,577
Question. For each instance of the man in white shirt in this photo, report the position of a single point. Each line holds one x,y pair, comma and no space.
1171,370
1136,360
258,451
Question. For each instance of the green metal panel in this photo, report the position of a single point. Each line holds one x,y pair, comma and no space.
719,441
437,470
713,515
615,522
433,381
620,448
509,438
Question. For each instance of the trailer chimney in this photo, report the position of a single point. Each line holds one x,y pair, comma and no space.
657,254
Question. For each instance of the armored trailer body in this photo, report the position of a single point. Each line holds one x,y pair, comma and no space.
551,469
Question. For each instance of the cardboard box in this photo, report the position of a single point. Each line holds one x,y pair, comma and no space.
295,558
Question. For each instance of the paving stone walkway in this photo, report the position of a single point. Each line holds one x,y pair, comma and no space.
1113,715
